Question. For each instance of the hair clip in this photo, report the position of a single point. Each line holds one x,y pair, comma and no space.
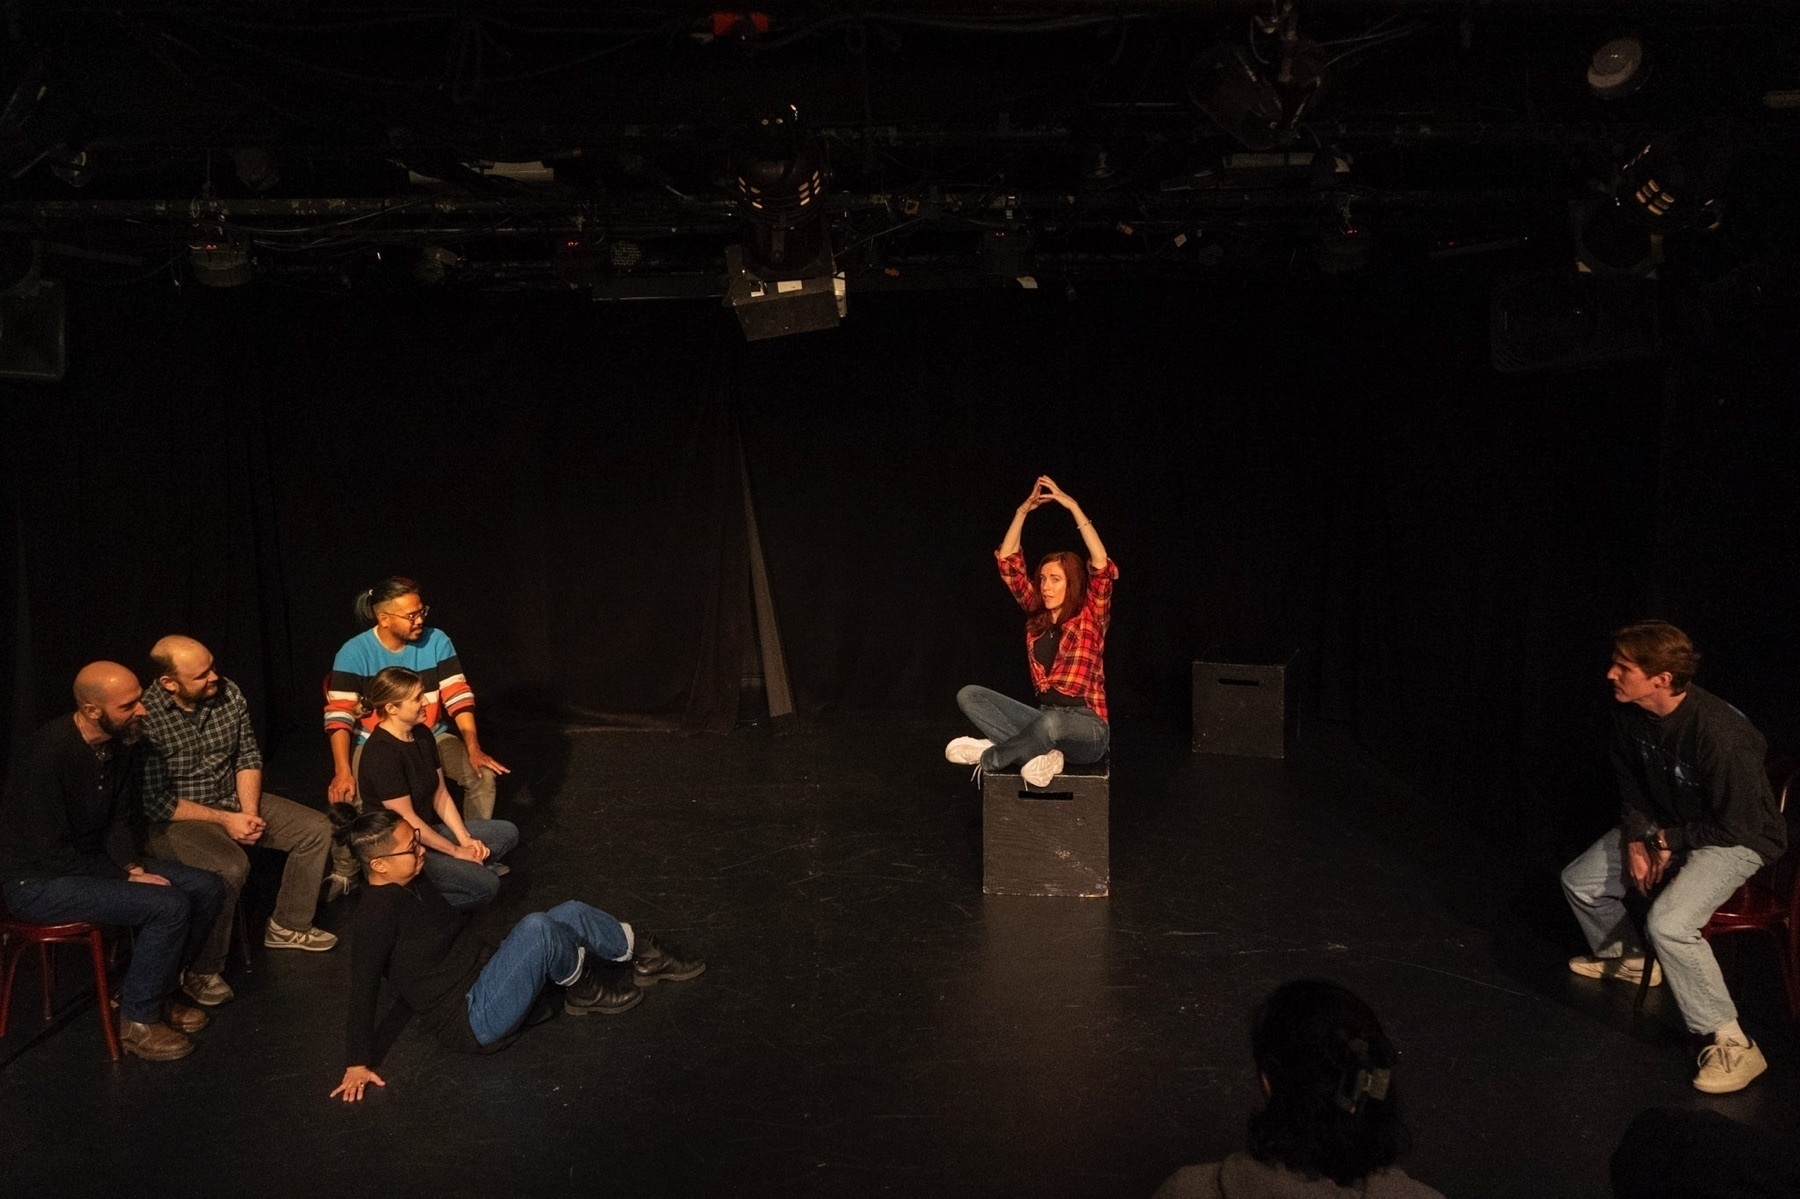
1358,1083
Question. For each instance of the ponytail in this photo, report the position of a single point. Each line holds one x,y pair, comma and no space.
389,589
364,834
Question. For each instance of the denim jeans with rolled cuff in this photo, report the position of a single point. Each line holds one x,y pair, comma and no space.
543,948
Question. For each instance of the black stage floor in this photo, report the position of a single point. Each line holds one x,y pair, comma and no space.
871,1023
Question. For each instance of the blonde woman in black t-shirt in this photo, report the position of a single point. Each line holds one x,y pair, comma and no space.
400,770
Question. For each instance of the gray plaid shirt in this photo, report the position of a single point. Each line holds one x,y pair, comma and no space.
196,755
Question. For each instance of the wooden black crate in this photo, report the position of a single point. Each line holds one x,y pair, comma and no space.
1051,840
1245,708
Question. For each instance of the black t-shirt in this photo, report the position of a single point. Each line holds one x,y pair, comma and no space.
392,768
1044,650
426,949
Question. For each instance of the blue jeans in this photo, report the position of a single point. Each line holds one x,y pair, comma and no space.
545,947
172,922
469,884
1021,732
1595,884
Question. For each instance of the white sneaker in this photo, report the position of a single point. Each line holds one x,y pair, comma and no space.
1041,769
967,751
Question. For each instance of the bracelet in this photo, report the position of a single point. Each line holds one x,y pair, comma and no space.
1086,524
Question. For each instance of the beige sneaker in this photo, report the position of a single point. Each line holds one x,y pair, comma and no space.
1041,769
314,940
1727,1068
1626,970
967,751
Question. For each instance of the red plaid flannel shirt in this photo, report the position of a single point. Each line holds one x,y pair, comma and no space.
1080,667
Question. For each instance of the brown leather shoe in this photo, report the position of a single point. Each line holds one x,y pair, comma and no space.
153,1042
184,1017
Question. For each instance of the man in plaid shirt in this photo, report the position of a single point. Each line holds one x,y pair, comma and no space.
202,790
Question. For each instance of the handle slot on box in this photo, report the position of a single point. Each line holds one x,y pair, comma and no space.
1241,682
1046,795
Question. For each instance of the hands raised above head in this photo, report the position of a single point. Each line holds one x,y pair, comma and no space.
1045,491
1051,491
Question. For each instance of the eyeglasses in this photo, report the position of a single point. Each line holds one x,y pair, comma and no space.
412,617
416,849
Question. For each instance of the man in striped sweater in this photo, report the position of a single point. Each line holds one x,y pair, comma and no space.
399,636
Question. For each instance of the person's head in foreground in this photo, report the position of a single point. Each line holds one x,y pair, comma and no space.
1333,1110
387,848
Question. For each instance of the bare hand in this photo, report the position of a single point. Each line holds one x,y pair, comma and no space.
243,828
482,760
355,1079
473,851
342,788
1645,869
1051,491
140,875
1037,499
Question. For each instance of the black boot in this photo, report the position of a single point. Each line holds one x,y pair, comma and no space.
600,990
651,963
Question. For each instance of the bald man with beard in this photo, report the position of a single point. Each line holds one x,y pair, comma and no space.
205,803
69,851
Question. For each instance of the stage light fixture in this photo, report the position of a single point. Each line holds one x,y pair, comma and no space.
1656,194
1229,88
219,259
783,279
1619,68
256,169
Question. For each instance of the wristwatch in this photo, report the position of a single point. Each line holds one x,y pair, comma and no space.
1654,842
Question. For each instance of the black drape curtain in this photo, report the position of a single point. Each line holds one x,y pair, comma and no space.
1321,465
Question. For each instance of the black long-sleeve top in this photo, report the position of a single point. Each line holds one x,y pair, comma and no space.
1697,774
412,936
73,808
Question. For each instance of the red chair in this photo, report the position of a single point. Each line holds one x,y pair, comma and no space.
1770,901
16,934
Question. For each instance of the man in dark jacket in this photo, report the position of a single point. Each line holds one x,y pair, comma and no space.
69,851
1697,819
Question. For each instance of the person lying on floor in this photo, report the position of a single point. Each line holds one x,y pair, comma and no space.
470,996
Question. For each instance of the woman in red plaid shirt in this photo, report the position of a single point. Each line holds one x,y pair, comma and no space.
1068,607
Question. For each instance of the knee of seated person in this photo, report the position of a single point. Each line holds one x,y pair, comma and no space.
537,924
232,874
1666,929
1571,879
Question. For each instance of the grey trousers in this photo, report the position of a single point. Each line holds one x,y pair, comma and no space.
302,832
478,788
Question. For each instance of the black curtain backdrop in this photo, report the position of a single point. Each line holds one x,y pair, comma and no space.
1302,464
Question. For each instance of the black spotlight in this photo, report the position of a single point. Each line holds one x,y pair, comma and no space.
1619,68
1658,192
782,279
1239,96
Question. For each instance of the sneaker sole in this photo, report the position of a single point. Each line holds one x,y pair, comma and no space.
575,1009
205,1002
650,980
1632,977
267,944
1735,1085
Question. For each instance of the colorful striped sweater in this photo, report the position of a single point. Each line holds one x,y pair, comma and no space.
431,657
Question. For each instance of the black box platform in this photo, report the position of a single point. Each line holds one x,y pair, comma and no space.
1245,705
1047,840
